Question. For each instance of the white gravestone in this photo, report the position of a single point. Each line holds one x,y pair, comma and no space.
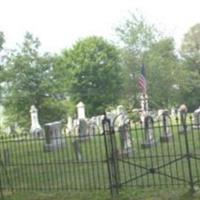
36,129
183,116
69,124
197,118
80,110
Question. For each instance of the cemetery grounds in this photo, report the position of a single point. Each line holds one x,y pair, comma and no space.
167,170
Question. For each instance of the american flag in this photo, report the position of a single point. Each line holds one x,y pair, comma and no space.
142,80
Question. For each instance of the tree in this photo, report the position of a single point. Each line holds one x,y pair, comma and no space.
190,48
30,80
93,69
135,39
2,41
163,70
190,52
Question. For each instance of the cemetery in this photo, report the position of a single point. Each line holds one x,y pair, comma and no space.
112,116
133,153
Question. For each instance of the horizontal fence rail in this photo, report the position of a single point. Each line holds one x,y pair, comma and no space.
162,153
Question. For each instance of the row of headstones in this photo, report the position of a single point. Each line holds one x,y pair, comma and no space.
54,139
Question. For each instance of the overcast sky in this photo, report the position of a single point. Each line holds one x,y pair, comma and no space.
60,23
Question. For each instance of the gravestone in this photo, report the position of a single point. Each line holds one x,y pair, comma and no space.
98,122
53,137
144,108
80,110
111,116
92,127
36,129
167,133
69,124
149,132
183,116
126,140
124,132
173,112
83,136
196,118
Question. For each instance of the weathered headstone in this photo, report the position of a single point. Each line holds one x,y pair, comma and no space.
183,116
83,136
173,112
126,140
53,137
149,132
111,116
167,133
196,123
36,129
69,125
80,110
124,131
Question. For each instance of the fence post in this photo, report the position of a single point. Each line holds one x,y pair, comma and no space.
188,157
111,157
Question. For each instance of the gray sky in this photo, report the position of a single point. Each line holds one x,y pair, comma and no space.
60,23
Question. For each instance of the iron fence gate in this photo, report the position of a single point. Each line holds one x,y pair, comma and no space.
156,154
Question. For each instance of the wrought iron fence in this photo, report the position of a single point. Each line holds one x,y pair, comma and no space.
161,153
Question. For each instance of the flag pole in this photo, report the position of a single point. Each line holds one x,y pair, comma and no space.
143,88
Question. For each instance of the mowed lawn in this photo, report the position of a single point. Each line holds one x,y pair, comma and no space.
159,172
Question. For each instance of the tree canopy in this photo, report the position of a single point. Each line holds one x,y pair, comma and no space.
100,73
94,68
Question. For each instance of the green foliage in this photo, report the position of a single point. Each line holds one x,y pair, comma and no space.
162,67
94,69
2,40
136,37
30,80
143,44
190,51
190,48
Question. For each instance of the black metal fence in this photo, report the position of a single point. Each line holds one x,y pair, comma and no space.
162,153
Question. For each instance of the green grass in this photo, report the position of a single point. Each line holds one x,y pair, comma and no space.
30,168
128,194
